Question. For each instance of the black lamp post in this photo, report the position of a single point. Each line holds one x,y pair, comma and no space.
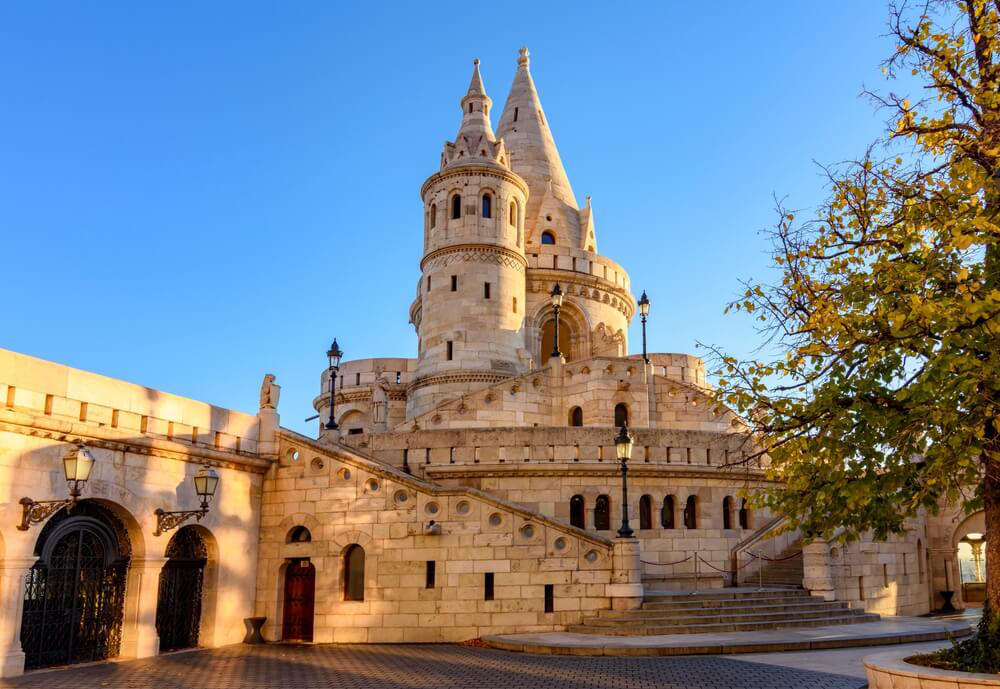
623,448
643,312
334,355
76,468
206,481
557,299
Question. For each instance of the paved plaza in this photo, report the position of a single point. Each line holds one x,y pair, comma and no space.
432,666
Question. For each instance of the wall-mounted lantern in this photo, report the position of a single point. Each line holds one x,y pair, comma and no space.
206,481
76,467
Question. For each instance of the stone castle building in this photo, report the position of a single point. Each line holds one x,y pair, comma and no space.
473,489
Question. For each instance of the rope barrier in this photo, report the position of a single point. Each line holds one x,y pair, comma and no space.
779,559
724,571
665,564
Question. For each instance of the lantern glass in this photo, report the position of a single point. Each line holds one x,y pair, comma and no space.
557,296
623,445
644,304
334,354
78,463
205,483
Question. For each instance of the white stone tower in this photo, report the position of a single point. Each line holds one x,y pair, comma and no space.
470,305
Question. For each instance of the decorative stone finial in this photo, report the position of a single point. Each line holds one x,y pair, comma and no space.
476,62
525,59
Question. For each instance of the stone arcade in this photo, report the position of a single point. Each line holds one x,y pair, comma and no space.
471,490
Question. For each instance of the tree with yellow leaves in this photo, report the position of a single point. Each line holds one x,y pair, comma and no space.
883,392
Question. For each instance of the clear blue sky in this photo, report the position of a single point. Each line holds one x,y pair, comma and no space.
193,194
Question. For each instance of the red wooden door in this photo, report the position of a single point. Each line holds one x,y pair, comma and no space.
300,589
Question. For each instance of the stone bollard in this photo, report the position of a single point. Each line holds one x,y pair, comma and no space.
817,571
625,589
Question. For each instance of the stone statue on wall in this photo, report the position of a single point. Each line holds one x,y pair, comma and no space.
380,400
269,392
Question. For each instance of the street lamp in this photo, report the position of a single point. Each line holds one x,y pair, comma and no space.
643,312
334,354
623,449
557,300
206,481
76,468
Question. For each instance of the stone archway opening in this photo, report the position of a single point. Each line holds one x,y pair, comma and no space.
75,594
180,596
549,338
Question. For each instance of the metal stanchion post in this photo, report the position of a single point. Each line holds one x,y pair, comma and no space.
760,572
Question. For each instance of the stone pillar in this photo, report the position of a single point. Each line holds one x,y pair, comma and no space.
817,570
13,572
267,431
139,637
625,589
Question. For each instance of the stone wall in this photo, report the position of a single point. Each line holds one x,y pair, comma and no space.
345,498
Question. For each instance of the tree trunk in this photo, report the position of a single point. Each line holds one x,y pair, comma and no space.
991,505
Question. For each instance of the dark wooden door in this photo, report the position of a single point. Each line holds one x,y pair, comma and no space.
300,591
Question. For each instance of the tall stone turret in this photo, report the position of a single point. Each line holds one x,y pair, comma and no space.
470,303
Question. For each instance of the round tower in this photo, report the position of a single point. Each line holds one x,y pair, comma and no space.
470,303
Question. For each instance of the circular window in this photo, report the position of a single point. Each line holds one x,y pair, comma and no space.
345,474
431,508
463,507
317,464
528,531
560,543
294,455
496,519
371,485
401,497
591,556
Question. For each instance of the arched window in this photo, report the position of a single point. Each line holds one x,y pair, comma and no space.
727,512
299,534
667,513
487,206
744,515
577,513
434,214
456,207
576,416
513,213
621,415
645,512
602,513
548,238
691,513
354,573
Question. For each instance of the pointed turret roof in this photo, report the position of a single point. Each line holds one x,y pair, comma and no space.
475,141
525,131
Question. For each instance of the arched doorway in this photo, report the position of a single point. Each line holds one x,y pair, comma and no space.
646,512
621,415
74,597
549,338
300,601
178,603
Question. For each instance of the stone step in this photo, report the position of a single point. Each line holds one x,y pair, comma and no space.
725,594
660,611
694,603
648,630
712,616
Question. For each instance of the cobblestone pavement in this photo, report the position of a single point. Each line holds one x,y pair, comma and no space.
413,666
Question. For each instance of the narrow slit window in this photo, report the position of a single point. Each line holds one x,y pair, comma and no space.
515,114
451,350
431,572
486,290
488,586
454,283
549,597
456,207
487,206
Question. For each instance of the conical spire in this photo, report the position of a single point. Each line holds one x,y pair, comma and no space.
533,151
476,109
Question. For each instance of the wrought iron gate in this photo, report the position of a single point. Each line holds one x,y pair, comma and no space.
178,605
75,594
300,589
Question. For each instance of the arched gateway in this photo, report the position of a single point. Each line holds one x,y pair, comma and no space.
178,605
74,597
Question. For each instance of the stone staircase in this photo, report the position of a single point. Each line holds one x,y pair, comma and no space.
722,610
